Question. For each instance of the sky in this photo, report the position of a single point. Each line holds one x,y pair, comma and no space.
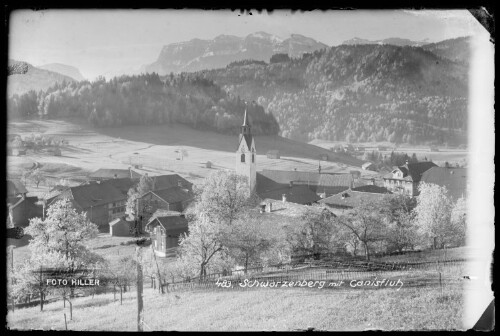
104,42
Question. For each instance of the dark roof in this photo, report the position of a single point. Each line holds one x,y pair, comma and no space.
270,178
372,189
174,222
352,199
122,184
335,180
173,195
93,194
454,179
120,221
300,194
105,173
15,187
169,181
248,140
413,171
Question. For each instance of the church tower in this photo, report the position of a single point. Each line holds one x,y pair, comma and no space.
246,155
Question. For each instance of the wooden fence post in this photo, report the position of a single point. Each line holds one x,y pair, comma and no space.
65,322
139,290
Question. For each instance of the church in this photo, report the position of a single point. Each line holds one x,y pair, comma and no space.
302,187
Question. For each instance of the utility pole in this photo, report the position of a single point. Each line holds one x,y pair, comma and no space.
140,308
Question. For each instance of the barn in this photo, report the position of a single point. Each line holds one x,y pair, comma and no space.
119,227
273,154
165,229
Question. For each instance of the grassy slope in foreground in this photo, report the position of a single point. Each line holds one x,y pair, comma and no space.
386,309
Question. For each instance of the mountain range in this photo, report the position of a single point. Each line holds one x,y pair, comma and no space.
196,54
361,92
392,41
392,90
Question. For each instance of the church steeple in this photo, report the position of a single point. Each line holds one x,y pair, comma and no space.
245,128
246,154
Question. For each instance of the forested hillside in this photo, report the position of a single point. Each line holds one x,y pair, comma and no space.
358,93
143,100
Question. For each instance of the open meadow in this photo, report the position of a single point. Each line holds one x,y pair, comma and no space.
255,310
444,154
157,150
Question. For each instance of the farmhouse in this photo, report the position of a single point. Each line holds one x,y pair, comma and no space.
55,151
21,209
273,154
15,188
454,179
404,179
173,199
165,229
163,182
103,201
18,151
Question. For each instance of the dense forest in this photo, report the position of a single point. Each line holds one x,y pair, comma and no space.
144,100
359,93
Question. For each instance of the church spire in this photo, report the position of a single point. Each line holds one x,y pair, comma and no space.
245,123
245,128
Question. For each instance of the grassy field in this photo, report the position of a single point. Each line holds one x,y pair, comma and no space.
451,155
322,309
157,149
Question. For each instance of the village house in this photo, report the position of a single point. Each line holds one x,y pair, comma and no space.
106,200
103,201
173,199
21,208
273,154
15,188
165,229
405,179
454,179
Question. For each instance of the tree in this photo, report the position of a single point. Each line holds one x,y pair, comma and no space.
135,208
218,202
312,235
58,241
459,222
402,233
248,238
36,176
433,212
368,223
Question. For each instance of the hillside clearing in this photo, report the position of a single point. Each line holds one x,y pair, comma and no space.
386,309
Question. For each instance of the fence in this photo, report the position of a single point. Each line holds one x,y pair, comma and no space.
412,275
